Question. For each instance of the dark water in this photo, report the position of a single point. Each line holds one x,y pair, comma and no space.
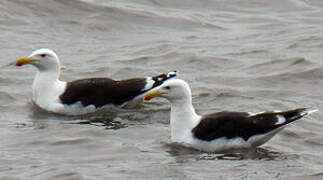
237,55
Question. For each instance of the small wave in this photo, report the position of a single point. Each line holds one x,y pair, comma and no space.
70,141
314,75
317,174
248,52
148,14
300,61
66,175
307,42
281,67
314,141
5,97
101,17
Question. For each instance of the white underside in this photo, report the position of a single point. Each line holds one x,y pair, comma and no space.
49,101
54,105
181,133
224,144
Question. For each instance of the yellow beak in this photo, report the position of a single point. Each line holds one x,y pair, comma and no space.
23,60
151,94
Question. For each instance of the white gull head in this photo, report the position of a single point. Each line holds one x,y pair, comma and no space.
173,90
183,115
43,59
46,86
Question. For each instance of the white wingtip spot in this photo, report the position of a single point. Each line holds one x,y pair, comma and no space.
280,119
277,111
149,83
253,114
172,73
308,112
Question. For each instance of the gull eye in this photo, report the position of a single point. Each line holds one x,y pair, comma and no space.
167,87
43,55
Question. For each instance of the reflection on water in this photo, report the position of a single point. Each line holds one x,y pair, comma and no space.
100,121
182,154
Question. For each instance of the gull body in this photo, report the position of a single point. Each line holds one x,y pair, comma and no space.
85,95
220,131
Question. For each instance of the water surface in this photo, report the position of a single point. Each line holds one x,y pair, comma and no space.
237,55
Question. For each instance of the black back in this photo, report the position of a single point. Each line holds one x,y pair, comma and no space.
240,124
103,91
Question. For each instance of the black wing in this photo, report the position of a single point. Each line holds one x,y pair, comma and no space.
239,124
103,91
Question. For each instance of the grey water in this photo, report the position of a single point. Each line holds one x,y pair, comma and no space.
237,55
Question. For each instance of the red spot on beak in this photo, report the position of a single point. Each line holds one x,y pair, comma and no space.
19,64
147,98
